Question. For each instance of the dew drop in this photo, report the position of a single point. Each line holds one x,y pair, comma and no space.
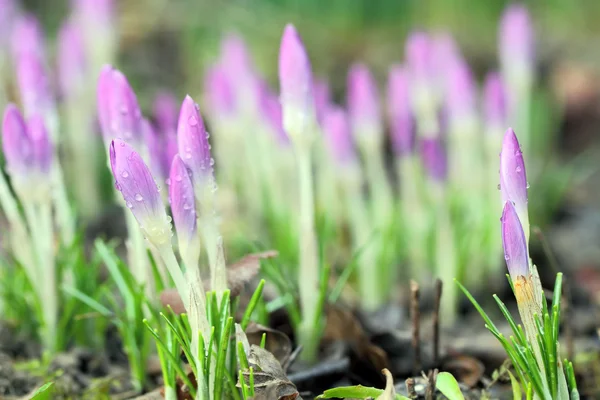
499,187
124,110
193,121
168,181
138,197
186,206
129,205
122,144
188,156
125,174
212,162
527,185
506,257
518,169
178,178
517,152
117,186
207,135
169,219
158,188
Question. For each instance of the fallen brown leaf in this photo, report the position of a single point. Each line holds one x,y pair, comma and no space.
466,369
277,343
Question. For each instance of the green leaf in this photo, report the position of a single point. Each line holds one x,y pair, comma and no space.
44,392
516,387
447,384
355,392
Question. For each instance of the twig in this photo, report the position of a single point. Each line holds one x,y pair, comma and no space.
436,321
432,377
414,312
410,388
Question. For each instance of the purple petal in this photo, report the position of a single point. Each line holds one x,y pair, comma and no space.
400,112
33,83
135,182
419,56
192,141
104,87
8,16
363,99
513,179
460,90
516,37
165,112
155,151
181,196
71,58
514,243
322,97
27,37
434,157
235,59
295,76
338,136
494,101
43,152
16,143
220,91
98,12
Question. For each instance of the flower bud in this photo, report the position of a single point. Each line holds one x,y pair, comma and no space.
363,101
494,101
400,112
183,206
71,59
192,142
435,160
513,179
514,243
339,137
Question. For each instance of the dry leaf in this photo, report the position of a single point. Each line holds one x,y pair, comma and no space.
277,343
467,370
390,392
238,274
270,382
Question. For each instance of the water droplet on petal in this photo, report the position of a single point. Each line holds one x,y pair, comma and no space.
124,174
188,156
499,187
212,162
518,169
506,257
178,178
129,205
117,186
186,206
122,144
528,185
193,121
138,197
168,181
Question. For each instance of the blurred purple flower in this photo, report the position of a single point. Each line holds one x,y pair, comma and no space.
444,54
8,16
513,179
516,38
338,136
434,158
135,182
420,56
220,92
270,108
27,37
165,111
118,110
95,12
34,85
494,101
235,59
16,143
71,58
460,91
183,205
364,109
295,81
322,97
192,141
43,152
400,111
514,243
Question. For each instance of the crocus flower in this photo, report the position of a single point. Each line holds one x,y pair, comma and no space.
400,112
27,37
363,101
183,206
435,161
420,57
296,83
271,111
135,182
34,86
460,91
516,41
28,152
71,59
514,243
162,145
494,101
96,19
322,97
165,112
156,156
8,14
513,179
338,136
192,141
118,109
220,94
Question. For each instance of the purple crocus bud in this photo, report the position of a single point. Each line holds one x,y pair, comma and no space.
295,82
34,86
183,206
435,161
322,97
460,91
41,145
118,109
155,148
400,111
27,37
513,179
516,40
98,12
165,111
235,58
338,136
71,59
270,108
514,243
419,56
363,100
220,92
8,14
16,144
494,101
135,182
192,141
